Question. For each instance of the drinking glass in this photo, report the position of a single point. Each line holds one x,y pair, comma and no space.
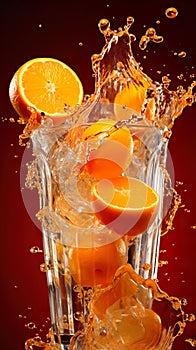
68,221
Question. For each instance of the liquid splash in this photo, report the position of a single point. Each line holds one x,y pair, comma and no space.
192,342
118,75
116,72
35,250
150,35
89,339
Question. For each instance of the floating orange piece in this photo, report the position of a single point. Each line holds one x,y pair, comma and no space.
124,204
114,149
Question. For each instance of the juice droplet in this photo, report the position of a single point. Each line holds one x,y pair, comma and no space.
150,35
29,127
79,316
31,325
150,32
184,301
180,76
163,263
190,317
193,227
179,183
176,201
192,342
130,21
146,267
35,250
104,26
143,42
171,12
44,267
12,120
182,54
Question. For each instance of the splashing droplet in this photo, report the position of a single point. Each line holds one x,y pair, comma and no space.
192,342
182,54
150,32
31,325
143,42
150,35
35,250
146,267
44,267
130,21
171,12
190,317
163,263
104,26
184,301
180,76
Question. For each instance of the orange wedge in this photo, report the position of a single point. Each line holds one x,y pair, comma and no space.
47,85
126,205
113,152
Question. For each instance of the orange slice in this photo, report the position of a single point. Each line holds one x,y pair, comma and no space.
114,149
126,205
96,266
46,84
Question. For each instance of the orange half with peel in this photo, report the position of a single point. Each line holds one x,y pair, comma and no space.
124,204
113,152
46,84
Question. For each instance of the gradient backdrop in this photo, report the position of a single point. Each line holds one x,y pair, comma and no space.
42,28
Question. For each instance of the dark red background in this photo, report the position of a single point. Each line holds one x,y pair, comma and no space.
64,25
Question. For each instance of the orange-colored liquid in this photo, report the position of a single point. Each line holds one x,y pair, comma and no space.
120,80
